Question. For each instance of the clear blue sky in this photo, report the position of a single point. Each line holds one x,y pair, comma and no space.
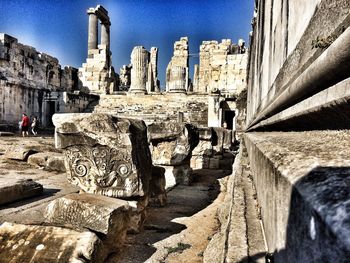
59,28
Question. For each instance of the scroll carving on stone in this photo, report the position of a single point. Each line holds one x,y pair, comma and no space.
101,170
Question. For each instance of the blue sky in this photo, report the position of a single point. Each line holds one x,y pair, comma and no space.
59,28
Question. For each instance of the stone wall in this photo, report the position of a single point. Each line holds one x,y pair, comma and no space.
194,108
298,82
35,83
177,72
222,66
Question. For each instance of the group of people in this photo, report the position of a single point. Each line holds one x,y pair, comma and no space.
26,123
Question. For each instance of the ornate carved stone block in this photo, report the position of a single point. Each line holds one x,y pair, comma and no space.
104,154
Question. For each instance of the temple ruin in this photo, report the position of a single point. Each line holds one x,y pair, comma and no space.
97,74
247,162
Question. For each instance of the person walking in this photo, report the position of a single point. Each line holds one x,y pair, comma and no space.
34,126
25,125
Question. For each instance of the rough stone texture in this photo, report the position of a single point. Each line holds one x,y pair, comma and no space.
301,181
34,82
14,190
18,152
172,143
39,159
177,174
56,163
43,244
51,161
153,84
138,214
157,107
101,214
177,72
288,51
104,154
125,77
157,192
222,67
240,237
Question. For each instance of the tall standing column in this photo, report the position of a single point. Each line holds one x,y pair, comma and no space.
92,40
139,61
105,35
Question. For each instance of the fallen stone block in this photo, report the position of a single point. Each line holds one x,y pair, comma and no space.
104,154
19,153
56,163
95,212
179,174
157,191
105,215
47,244
15,190
172,143
39,159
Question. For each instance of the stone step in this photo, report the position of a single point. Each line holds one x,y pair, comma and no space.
240,238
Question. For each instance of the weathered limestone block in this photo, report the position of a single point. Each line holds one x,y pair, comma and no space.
104,154
19,153
157,191
56,163
47,244
178,174
101,214
172,143
39,159
14,190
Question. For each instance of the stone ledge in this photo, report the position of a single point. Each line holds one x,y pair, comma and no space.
302,181
14,190
327,109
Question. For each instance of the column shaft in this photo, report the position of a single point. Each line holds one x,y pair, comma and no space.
92,41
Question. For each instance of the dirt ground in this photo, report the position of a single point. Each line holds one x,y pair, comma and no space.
181,230
55,184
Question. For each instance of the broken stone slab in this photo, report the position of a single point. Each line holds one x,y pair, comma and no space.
157,191
39,159
177,174
99,213
19,153
172,143
105,154
47,244
51,161
14,190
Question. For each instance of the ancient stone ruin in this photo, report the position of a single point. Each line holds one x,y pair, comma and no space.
247,162
97,74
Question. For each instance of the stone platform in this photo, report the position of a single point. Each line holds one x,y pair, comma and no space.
302,181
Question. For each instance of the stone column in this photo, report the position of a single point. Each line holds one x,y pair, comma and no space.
105,35
139,61
92,40
178,80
